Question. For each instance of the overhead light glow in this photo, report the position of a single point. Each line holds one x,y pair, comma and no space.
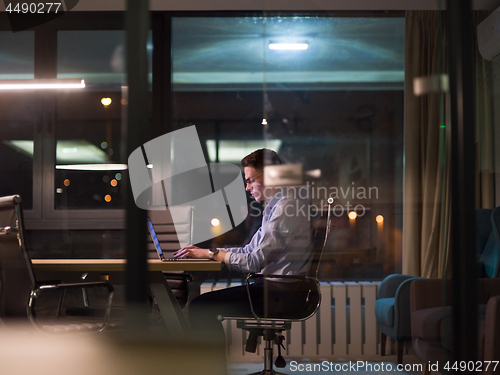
353,215
233,151
42,84
93,167
379,219
288,46
215,222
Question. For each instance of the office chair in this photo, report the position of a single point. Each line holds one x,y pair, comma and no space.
272,325
19,290
170,234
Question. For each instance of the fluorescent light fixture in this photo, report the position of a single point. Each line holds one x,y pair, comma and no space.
234,151
42,84
75,151
93,167
288,46
83,155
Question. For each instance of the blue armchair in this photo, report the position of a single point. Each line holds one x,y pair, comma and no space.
487,242
392,310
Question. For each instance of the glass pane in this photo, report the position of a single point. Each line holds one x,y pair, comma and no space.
17,58
17,116
90,139
334,104
97,56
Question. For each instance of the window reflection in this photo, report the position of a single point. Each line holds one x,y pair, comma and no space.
17,116
89,129
336,106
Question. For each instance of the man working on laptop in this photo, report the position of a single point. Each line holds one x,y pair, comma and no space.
282,246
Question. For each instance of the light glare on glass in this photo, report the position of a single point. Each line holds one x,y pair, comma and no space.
352,215
42,84
215,222
379,219
114,182
288,46
107,198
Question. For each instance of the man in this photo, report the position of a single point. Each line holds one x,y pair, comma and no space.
282,246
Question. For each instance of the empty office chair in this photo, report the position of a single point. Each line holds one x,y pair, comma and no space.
271,325
392,311
170,235
19,290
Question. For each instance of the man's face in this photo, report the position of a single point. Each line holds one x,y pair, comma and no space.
254,183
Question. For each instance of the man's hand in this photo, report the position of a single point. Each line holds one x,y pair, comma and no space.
192,252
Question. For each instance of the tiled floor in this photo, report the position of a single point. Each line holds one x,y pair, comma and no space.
333,366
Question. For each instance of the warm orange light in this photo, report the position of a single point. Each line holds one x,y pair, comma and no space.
353,215
66,182
215,222
107,198
379,219
113,182
106,101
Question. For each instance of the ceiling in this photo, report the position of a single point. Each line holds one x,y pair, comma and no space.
221,51
232,53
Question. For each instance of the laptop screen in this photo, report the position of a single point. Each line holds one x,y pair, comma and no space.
154,237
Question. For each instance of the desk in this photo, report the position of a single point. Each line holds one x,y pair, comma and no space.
171,312
118,265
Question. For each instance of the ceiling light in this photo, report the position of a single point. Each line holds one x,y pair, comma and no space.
233,151
288,46
93,167
42,84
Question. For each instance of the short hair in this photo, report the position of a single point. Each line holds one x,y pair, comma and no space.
259,158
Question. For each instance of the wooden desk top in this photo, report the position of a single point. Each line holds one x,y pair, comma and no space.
117,265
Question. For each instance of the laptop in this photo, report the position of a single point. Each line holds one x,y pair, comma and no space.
159,251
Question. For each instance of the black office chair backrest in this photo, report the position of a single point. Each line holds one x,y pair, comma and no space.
321,227
16,274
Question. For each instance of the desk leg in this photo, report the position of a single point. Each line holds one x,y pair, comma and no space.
170,310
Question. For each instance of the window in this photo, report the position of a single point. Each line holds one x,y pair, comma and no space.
18,113
333,103
90,146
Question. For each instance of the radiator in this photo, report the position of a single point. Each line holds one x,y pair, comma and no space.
344,325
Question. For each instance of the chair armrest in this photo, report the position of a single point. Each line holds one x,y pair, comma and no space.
63,287
179,276
274,276
92,284
427,293
389,286
48,282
